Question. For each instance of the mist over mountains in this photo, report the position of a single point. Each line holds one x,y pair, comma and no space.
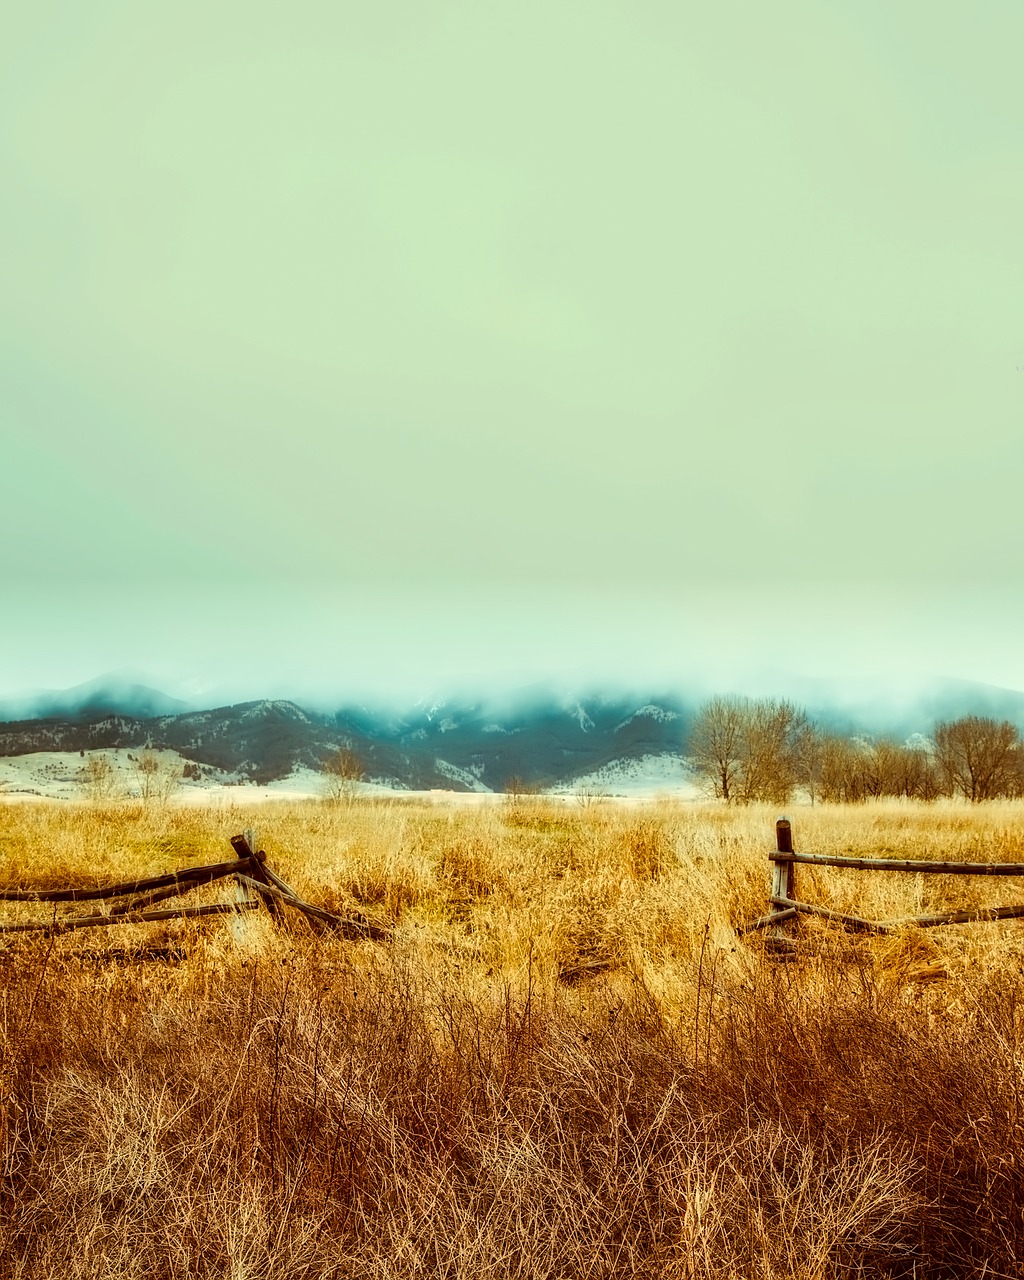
106,695
536,736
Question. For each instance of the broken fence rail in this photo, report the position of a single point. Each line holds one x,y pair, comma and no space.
784,906
249,870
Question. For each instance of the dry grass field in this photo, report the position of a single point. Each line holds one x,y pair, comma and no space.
563,1064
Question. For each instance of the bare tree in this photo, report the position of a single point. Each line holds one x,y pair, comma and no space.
344,771
881,766
746,750
98,778
716,745
978,757
908,771
773,748
1016,781
158,779
854,769
811,762
842,770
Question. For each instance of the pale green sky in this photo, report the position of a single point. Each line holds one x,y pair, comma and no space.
467,333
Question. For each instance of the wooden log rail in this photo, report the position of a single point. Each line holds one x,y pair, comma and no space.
257,885
974,916
141,917
273,890
142,895
894,864
785,907
190,877
350,928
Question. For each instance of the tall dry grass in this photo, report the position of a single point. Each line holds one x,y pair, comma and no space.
565,1063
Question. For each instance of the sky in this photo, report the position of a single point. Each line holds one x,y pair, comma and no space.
387,346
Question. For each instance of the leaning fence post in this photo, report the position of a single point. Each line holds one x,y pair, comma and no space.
247,846
783,871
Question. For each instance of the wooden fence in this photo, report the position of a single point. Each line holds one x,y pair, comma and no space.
784,906
133,901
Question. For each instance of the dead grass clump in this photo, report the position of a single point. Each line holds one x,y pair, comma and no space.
380,879
870,1061
403,1126
566,1063
466,869
650,854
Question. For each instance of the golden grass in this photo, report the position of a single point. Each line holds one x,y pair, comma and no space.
564,1063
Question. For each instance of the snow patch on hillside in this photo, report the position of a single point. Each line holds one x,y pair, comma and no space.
585,722
71,775
648,776
456,774
63,775
650,712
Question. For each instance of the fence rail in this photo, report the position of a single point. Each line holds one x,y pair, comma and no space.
905,864
256,882
784,906
186,879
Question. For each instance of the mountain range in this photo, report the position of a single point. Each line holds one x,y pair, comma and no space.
536,739
454,745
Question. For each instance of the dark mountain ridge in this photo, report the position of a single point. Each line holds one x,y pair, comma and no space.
466,747
539,739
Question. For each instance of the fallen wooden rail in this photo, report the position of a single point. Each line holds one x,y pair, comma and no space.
856,923
785,907
256,882
975,915
351,928
273,890
765,922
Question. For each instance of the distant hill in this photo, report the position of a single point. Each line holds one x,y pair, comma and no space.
107,695
537,738
541,742
455,746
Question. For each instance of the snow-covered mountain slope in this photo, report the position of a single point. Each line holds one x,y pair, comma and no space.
647,776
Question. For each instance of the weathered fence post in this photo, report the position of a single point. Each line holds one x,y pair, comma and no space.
783,905
247,846
783,872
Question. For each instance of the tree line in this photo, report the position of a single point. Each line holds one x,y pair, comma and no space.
744,750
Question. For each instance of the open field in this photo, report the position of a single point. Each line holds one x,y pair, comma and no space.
565,1063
